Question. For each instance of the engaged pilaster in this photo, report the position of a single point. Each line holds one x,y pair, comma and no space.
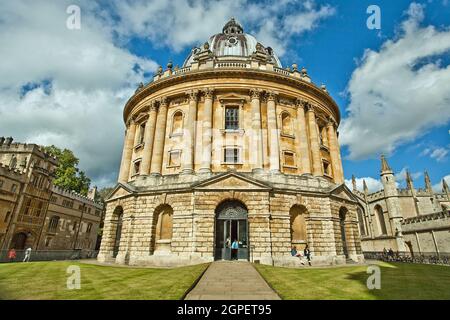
160,135
127,152
207,131
314,141
189,139
303,154
149,136
334,152
257,156
274,145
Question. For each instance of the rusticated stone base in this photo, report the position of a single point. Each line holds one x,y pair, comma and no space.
268,201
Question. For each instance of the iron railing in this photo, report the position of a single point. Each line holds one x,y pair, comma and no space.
442,258
49,255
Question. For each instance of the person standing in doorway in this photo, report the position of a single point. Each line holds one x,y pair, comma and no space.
234,250
307,254
27,255
12,255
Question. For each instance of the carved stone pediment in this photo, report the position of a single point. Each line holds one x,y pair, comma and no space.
119,191
232,98
232,181
342,192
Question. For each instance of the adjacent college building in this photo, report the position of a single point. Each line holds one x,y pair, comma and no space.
35,213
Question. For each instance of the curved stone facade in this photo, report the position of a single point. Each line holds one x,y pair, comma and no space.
230,128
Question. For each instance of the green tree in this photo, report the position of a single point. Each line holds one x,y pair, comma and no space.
68,176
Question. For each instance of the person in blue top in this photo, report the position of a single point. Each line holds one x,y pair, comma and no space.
234,250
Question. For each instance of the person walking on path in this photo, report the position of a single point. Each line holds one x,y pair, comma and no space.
12,255
234,250
307,254
27,255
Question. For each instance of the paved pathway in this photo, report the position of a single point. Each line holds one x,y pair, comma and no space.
232,280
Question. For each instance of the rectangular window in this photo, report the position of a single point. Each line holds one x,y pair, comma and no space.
89,227
53,199
1,183
7,216
13,188
289,159
141,133
74,226
174,158
231,118
326,168
231,155
137,166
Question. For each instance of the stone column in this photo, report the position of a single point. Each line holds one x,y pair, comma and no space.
334,152
303,154
160,136
149,138
314,141
189,134
256,146
207,131
127,152
274,145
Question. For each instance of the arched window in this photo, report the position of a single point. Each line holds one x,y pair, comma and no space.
117,220
380,218
163,226
342,225
362,226
52,226
177,123
286,123
298,224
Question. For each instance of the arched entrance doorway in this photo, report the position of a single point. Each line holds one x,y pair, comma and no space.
19,240
231,224
118,218
342,215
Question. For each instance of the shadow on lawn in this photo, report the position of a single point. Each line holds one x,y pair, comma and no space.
401,281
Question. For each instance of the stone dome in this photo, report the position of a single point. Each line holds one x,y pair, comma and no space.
233,43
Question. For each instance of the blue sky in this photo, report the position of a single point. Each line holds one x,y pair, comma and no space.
383,80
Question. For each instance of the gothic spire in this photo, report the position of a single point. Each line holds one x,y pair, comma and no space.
445,188
428,186
409,180
384,165
366,190
353,182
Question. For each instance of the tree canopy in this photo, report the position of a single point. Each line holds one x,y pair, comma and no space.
68,175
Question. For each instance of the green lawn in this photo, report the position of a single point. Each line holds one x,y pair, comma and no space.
398,281
48,280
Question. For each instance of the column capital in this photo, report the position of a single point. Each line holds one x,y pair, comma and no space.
208,92
310,107
331,122
255,93
163,102
192,95
301,103
153,107
130,122
271,95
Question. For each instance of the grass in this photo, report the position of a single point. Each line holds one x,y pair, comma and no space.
48,281
398,281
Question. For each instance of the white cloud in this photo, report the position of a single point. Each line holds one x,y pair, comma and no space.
437,153
400,91
401,176
178,23
438,186
372,184
78,82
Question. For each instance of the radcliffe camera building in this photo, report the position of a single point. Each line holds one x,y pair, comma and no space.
231,146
